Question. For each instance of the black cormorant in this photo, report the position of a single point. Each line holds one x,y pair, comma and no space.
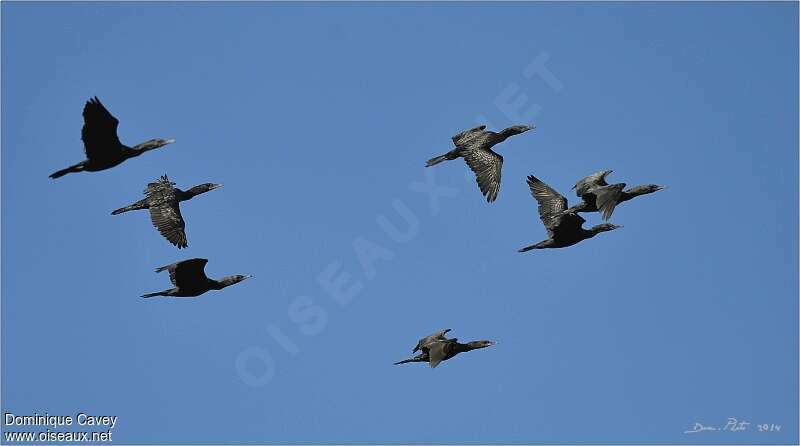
563,229
163,198
597,195
436,348
101,144
475,146
190,279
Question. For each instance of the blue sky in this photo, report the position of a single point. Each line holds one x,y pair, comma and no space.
318,119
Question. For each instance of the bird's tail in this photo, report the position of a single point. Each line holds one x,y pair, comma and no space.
159,293
152,295
528,248
451,155
75,168
133,207
423,357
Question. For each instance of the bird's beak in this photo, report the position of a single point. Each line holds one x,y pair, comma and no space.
249,276
215,186
662,188
532,127
169,141
492,343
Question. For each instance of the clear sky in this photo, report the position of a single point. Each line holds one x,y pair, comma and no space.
318,119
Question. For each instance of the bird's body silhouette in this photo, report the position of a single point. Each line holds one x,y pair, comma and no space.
563,229
190,279
597,195
437,348
163,199
101,143
475,146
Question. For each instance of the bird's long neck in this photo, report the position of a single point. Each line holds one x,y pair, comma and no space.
191,193
225,282
469,346
139,149
634,192
591,232
505,134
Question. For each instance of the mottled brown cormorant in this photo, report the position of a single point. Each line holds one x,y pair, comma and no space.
163,198
436,348
190,279
101,144
597,195
475,146
563,229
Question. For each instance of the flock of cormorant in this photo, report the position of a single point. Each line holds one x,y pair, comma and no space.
564,226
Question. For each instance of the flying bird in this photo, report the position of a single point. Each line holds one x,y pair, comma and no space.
436,348
101,144
163,199
190,279
597,195
563,229
475,146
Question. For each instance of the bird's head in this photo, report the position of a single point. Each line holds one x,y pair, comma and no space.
517,129
480,344
203,188
231,280
153,144
605,173
605,227
645,189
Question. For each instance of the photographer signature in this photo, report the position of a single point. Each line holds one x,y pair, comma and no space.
734,425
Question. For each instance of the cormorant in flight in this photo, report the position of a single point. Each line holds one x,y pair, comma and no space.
436,348
563,229
475,146
597,195
190,279
163,198
101,144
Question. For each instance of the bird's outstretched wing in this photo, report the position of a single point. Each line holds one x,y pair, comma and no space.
551,203
438,351
594,180
607,198
424,342
166,217
487,166
99,133
458,139
188,272
184,270
551,207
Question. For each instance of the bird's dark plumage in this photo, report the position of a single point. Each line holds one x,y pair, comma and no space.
163,199
438,336
101,143
437,348
190,279
597,195
563,228
475,146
